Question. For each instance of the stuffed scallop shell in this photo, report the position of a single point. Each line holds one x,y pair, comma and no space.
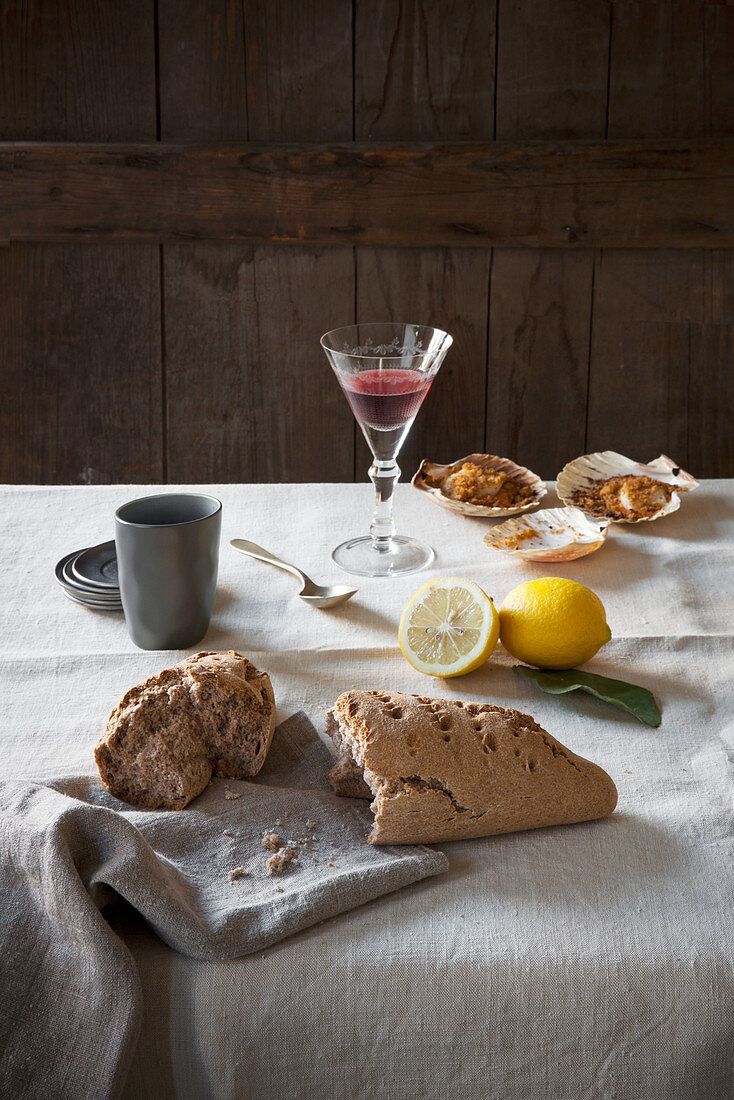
552,534
480,480
610,486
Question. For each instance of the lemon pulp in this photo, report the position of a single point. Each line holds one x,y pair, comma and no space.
449,627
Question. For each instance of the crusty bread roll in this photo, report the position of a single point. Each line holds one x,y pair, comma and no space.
441,769
211,713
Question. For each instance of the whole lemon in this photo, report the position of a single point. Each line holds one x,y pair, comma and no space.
553,623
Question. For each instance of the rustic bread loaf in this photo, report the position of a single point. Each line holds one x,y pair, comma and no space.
211,713
445,770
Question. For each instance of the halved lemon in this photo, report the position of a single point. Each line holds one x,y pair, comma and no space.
448,628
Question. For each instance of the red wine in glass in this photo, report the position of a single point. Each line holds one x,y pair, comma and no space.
385,403
385,370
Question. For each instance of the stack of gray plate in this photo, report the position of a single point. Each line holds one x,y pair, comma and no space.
89,577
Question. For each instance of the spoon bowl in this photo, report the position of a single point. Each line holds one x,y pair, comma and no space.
316,595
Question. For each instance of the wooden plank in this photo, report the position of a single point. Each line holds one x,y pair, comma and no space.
719,83
656,78
617,194
711,382
6,196
299,87
552,69
206,290
446,288
711,378
424,71
644,306
551,83
77,70
254,313
299,70
203,92
234,70
81,325
81,364
657,348
538,357
249,388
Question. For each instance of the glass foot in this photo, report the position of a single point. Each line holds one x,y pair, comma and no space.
403,555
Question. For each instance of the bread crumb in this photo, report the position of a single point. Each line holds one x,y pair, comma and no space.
280,861
271,840
227,832
278,889
329,863
232,794
310,824
237,872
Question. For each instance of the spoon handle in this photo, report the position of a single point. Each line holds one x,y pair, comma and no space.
252,550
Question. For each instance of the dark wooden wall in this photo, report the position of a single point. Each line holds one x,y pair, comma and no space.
149,357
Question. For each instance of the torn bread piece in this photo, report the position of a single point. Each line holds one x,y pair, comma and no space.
212,713
441,769
347,776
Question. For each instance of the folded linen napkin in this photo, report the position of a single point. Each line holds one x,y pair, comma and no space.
70,1003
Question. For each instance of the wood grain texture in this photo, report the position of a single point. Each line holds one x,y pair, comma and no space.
621,194
250,394
644,306
662,355
80,326
250,316
661,323
545,132
551,81
711,378
299,70
424,71
552,64
718,72
81,364
77,70
656,77
538,357
446,288
203,90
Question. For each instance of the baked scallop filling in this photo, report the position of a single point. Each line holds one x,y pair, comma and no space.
472,484
628,496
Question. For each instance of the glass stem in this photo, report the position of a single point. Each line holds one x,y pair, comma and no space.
384,478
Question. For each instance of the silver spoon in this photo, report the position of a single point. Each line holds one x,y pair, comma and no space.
316,595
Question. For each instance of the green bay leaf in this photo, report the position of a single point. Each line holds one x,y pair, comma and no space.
630,697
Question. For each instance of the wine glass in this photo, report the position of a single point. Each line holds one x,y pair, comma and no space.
385,371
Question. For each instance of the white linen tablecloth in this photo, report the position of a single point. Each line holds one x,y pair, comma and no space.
585,961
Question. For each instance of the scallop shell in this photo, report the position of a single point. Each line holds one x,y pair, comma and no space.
604,464
430,477
552,534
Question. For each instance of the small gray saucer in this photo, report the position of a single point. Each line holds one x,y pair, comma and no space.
93,605
83,591
97,567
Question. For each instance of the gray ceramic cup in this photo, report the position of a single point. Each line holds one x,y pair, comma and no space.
167,560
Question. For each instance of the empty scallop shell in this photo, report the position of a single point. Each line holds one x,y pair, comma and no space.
605,464
552,534
430,478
